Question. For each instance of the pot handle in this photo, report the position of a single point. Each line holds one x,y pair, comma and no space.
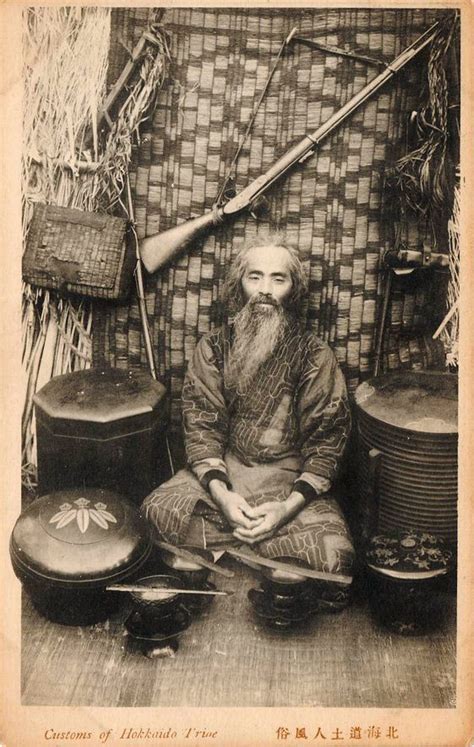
375,467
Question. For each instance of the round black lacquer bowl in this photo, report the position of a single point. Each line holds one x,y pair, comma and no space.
156,609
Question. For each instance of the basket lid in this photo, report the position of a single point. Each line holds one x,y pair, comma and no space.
79,538
424,401
100,395
402,553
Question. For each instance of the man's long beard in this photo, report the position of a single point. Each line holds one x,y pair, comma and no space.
258,329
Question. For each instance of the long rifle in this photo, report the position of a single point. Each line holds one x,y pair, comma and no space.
158,249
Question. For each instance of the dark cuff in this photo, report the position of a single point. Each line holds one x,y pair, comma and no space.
306,490
215,474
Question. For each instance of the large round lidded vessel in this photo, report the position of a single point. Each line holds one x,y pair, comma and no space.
103,427
67,547
406,575
408,451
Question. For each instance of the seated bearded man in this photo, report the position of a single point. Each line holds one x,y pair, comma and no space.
266,420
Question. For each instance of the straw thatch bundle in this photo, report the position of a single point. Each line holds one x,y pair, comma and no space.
68,162
65,64
422,192
423,174
450,332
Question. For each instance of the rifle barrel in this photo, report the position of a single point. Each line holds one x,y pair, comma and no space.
158,249
304,147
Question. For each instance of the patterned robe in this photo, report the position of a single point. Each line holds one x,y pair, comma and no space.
288,431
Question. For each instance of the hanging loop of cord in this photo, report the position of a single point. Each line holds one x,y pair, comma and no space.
224,193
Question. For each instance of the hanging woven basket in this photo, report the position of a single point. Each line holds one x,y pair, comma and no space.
79,252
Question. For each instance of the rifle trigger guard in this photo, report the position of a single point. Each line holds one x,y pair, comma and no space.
307,155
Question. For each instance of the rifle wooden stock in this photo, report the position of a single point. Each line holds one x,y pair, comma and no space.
158,249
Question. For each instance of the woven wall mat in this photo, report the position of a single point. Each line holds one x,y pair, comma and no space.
331,206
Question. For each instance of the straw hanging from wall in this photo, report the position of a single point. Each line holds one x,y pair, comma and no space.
67,162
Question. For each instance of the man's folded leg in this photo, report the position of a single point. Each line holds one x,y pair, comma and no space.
318,535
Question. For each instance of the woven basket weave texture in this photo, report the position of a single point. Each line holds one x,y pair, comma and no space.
78,252
330,206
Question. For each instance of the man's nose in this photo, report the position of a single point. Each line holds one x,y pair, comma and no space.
266,286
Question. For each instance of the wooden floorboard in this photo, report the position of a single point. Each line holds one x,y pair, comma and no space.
227,659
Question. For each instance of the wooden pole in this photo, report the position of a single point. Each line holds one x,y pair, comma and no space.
141,289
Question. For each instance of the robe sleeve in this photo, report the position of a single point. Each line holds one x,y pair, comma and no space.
205,416
324,420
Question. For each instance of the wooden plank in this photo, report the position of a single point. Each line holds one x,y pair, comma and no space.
256,560
194,558
123,77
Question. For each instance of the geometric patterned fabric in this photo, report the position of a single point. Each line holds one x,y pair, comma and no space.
318,535
331,206
289,425
294,413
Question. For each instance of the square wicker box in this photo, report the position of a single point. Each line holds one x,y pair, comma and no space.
79,252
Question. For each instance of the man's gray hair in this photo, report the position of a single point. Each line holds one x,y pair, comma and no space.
233,293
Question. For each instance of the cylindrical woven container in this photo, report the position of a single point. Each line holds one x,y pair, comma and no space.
406,575
68,546
408,451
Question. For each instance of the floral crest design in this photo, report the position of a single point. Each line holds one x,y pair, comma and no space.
83,514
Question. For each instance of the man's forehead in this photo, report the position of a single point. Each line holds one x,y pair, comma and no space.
268,258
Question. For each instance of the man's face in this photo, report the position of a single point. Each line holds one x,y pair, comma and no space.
267,274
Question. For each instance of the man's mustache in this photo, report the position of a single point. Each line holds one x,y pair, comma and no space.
264,298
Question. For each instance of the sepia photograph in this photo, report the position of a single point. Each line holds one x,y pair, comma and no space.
238,259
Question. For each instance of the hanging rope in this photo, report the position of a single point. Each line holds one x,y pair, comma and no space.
224,191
